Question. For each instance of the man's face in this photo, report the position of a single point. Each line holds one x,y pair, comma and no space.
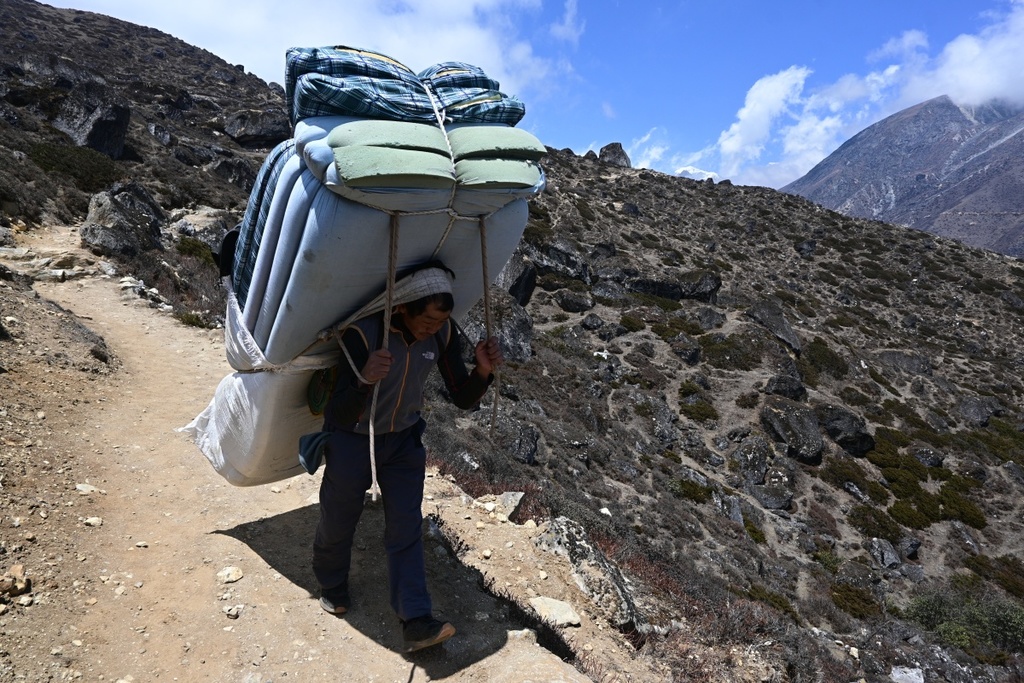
427,323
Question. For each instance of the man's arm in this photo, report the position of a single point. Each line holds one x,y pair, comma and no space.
466,388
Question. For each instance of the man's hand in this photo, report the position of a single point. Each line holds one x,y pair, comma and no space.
488,356
377,366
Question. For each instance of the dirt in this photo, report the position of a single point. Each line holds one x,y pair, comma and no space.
131,542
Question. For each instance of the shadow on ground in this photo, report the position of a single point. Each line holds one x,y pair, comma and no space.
482,621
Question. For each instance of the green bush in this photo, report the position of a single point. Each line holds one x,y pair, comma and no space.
776,600
818,359
828,559
735,351
632,323
955,506
965,614
1007,571
664,303
874,523
691,490
755,532
698,411
855,601
90,170
190,246
904,512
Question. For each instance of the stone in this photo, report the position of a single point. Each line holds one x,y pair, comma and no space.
751,456
976,410
614,154
229,575
906,674
555,612
258,129
787,386
846,428
769,314
123,220
94,115
795,426
883,553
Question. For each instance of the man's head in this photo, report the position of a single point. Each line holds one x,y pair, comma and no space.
425,316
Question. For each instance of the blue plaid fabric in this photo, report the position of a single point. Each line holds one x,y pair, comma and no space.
250,233
458,75
332,81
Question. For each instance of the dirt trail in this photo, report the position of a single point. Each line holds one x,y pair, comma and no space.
151,604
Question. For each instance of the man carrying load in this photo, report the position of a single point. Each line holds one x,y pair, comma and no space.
420,336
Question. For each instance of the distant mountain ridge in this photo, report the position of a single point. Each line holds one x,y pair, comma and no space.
947,169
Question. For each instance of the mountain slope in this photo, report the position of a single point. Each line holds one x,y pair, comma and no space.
949,170
778,426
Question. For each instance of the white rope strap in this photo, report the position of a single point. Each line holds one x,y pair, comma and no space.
389,299
488,320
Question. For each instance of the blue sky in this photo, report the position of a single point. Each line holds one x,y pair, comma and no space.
754,91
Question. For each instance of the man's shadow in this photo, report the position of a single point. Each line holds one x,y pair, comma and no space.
482,621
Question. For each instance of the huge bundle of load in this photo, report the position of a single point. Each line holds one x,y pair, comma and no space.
386,169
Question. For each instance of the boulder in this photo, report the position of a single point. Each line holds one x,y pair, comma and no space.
751,458
795,426
123,220
613,154
846,428
884,554
573,302
598,578
787,386
696,285
93,115
977,410
561,257
258,129
769,314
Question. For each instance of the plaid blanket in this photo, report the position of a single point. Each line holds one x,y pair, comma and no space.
328,81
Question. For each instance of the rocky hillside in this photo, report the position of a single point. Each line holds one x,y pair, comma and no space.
87,100
757,422
949,170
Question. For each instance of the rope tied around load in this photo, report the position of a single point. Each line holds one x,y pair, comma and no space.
389,295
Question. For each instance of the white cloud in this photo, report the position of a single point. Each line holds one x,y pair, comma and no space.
786,127
648,150
608,110
973,69
768,99
571,27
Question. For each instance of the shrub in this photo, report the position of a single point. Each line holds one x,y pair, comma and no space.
735,351
828,559
755,532
966,615
776,600
955,506
855,601
874,523
632,323
699,410
1007,571
904,512
817,359
664,303
691,490
91,171
748,400
190,246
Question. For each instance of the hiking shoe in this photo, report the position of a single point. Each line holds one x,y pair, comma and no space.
424,632
334,604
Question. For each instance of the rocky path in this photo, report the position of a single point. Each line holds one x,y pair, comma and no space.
180,576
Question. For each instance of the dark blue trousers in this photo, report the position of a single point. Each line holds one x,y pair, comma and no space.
401,466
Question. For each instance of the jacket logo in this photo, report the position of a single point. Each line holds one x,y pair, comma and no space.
428,355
